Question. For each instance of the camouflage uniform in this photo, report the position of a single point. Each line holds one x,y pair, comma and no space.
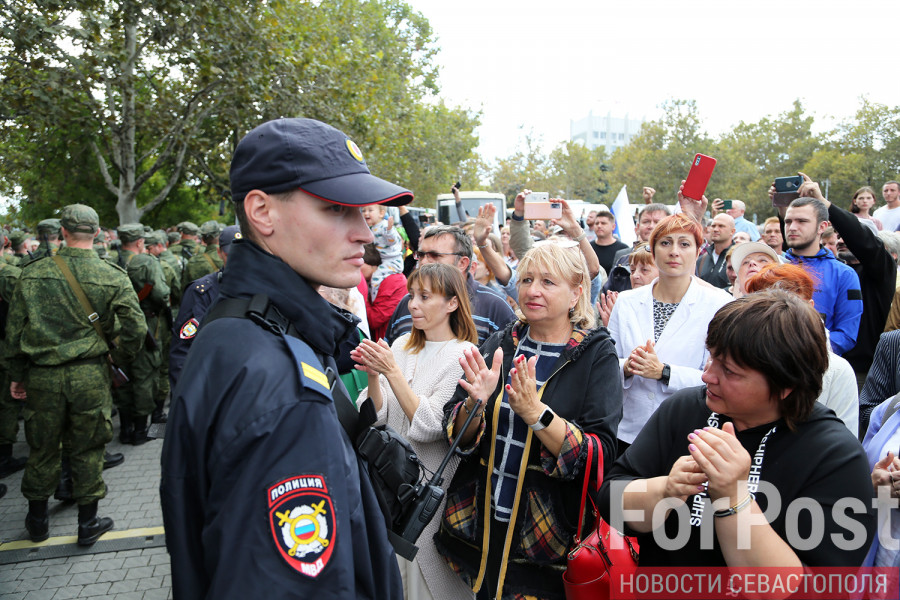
136,399
9,407
173,280
47,227
208,260
16,239
170,259
186,248
52,347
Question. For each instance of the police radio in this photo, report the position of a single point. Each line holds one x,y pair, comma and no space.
428,496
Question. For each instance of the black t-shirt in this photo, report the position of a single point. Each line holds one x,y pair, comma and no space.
606,254
821,461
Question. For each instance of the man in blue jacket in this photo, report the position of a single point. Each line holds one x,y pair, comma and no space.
838,297
262,492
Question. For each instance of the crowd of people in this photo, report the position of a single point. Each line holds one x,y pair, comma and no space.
722,367
88,319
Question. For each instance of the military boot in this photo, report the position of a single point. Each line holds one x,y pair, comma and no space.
90,526
8,464
65,487
139,436
37,521
126,429
112,459
159,416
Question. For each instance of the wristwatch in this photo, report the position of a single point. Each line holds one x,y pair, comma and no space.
666,374
545,420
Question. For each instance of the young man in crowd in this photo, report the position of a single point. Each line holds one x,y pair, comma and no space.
257,470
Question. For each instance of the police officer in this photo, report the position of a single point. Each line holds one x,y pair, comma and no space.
256,466
197,299
58,365
206,261
137,398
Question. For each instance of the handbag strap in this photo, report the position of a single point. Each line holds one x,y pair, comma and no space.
92,315
590,473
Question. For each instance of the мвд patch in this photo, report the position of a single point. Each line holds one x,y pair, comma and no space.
302,522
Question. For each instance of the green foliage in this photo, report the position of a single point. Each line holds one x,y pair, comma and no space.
863,150
154,95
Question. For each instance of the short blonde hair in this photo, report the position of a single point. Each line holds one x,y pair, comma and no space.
567,264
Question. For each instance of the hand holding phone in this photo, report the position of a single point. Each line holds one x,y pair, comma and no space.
699,176
787,189
538,206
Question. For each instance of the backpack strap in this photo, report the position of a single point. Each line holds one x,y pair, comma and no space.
309,365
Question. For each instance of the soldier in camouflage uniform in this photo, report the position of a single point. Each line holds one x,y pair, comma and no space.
208,260
172,238
48,235
188,246
17,243
58,365
137,399
9,408
167,257
156,246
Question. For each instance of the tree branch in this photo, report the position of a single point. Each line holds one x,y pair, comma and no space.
104,171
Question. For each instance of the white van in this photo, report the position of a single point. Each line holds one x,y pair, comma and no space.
447,210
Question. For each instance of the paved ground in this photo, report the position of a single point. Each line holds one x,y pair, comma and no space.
141,572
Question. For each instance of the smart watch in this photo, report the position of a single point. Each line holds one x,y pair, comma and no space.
545,419
666,374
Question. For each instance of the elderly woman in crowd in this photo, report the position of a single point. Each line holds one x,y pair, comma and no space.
409,384
659,329
747,259
513,504
758,407
642,272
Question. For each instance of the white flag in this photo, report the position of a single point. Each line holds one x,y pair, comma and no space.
624,218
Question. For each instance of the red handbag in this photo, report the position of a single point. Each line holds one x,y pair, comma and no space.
596,562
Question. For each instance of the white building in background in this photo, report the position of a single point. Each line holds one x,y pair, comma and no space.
609,131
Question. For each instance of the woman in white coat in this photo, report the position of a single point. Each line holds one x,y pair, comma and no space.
660,329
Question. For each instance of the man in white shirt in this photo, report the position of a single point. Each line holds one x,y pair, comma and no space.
889,215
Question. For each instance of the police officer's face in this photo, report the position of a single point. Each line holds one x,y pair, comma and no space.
321,241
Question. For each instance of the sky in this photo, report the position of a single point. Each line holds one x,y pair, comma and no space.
532,66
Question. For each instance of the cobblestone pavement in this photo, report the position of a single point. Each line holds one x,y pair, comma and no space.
140,571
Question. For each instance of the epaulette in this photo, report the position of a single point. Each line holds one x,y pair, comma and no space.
117,267
311,375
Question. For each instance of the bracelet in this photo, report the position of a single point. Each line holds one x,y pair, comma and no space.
466,405
517,218
736,508
480,247
580,237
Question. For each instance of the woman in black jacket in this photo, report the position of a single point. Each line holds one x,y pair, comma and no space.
512,507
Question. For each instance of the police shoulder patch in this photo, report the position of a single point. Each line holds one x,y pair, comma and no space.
189,329
301,518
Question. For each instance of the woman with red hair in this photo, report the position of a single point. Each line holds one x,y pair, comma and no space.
839,392
660,328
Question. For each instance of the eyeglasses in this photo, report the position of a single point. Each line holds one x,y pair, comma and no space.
435,255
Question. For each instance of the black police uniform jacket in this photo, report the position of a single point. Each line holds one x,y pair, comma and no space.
262,492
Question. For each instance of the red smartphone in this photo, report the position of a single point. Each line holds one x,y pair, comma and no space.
698,177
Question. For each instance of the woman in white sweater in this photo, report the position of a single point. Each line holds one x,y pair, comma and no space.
409,384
